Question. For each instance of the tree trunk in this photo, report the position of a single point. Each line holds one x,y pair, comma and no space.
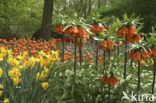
65,6
90,7
99,3
47,19
85,9
107,3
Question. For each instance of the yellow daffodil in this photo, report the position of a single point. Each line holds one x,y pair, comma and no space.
20,57
1,92
25,53
41,53
6,100
3,51
33,61
49,56
45,85
10,60
15,63
10,57
43,75
10,52
16,81
1,86
1,57
14,73
27,63
46,70
21,67
1,72
37,76
55,55
46,62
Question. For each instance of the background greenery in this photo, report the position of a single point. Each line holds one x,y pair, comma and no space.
21,18
146,9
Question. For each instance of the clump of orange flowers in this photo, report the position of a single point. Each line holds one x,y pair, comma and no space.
110,81
142,62
82,33
82,43
78,32
32,46
135,38
119,43
138,56
90,58
59,29
127,31
130,33
75,31
67,56
153,52
72,31
100,59
97,29
107,45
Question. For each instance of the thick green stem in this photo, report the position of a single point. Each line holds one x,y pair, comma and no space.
114,50
109,55
109,88
75,55
131,63
154,76
63,48
97,53
125,65
80,52
138,87
118,49
104,63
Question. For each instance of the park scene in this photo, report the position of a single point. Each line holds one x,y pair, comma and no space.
77,51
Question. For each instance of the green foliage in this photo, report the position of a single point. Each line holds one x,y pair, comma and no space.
19,18
151,41
83,87
146,9
29,90
86,87
95,18
53,34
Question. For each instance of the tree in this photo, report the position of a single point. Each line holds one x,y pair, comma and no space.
47,19
19,18
90,7
26,18
85,9
99,3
